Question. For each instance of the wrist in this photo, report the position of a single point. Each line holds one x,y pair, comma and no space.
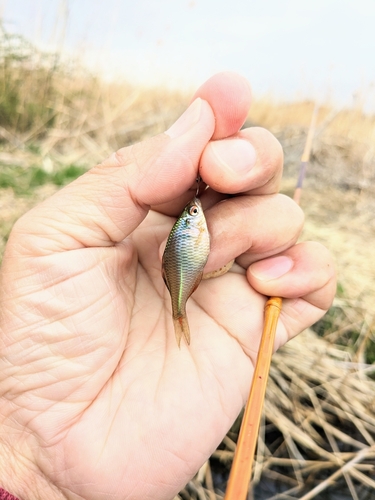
21,477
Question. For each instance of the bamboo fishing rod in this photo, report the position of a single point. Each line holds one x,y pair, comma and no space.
242,465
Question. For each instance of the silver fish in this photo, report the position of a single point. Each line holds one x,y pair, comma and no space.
184,258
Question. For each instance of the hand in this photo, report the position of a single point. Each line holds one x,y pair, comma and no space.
97,401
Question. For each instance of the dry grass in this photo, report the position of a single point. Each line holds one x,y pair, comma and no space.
91,119
318,434
344,146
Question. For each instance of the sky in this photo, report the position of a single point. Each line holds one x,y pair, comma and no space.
288,49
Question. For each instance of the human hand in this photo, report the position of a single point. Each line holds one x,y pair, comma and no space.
97,400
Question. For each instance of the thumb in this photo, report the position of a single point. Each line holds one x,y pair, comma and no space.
107,203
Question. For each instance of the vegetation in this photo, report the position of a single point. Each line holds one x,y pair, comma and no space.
56,120
24,181
27,92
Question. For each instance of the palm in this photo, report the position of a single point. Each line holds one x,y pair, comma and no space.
131,383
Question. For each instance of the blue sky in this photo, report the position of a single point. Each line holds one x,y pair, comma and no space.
290,49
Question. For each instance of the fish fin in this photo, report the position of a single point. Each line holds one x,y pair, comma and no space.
181,328
218,272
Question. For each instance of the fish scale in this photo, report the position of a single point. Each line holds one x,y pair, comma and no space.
184,258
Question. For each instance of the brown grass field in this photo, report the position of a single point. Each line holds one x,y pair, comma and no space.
317,437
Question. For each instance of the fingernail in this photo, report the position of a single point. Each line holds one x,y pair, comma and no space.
272,268
236,154
187,120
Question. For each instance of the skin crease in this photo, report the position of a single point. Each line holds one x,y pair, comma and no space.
96,399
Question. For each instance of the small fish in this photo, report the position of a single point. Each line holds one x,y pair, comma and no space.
184,258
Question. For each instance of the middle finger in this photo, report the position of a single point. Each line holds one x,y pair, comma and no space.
250,228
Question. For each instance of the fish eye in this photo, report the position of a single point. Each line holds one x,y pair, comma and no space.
193,210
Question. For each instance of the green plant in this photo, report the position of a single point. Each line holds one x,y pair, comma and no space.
24,181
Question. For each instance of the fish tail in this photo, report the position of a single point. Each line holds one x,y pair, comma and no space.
181,328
